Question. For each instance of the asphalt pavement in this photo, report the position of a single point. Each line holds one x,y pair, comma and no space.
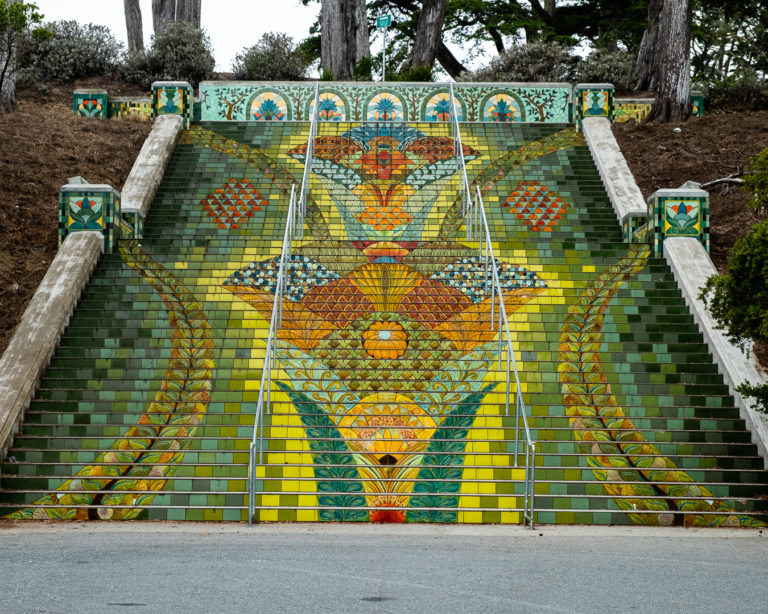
139,567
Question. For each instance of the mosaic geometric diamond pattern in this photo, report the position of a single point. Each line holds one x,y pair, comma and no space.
536,206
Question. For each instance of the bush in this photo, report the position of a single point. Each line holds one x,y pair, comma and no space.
273,58
756,180
603,66
178,52
745,93
68,51
738,300
537,61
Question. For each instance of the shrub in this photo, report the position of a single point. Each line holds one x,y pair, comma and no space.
68,51
747,92
756,180
273,58
738,300
603,66
536,61
178,52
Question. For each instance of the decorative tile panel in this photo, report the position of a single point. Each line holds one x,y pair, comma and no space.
89,207
593,100
683,212
172,98
90,103
133,108
246,101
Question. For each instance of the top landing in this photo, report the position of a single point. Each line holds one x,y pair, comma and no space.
390,102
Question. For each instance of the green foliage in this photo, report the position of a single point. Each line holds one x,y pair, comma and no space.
15,21
536,61
409,74
758,392
273,58
363,70
604,66
756,180
738,300
746,92
178,52
728,39
67,50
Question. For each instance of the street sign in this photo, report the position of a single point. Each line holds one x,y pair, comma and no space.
383,21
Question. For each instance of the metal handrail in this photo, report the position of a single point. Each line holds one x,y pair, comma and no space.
476,225
302,208
492,276
270,355
461,167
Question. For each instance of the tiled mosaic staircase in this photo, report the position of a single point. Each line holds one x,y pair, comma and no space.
148,407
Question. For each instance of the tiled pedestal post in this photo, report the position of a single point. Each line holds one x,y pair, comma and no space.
683,212
173,98
90,103
697,103
593,100
89,206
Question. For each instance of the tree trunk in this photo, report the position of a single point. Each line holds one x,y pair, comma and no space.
163,11
189,11
8,68
449,62
133,25
646,75
673,62
428,33
344,40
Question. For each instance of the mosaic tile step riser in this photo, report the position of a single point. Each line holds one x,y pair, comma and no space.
106,375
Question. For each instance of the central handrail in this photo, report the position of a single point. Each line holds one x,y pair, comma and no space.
461,166
520,409
476,225
302,208
263,405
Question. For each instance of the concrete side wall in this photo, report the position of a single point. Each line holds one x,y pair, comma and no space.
691,266
150,165
42,324
625,196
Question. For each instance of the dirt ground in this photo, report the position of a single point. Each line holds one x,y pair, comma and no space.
42,145
705,149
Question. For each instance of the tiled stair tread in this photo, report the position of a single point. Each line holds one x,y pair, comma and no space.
114,353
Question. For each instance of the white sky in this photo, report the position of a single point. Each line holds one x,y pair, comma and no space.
231,24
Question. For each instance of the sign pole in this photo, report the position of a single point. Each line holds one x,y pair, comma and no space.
383,22
384,57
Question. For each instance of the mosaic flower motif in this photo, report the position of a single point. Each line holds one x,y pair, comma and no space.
386,426
269,107
385,340
385,107
169,101
502,108
373,171
90,108
330,108
86,213
439,108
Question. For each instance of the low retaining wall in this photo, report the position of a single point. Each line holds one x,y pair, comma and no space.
626,197
691,267
148,170
35,340
47,315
